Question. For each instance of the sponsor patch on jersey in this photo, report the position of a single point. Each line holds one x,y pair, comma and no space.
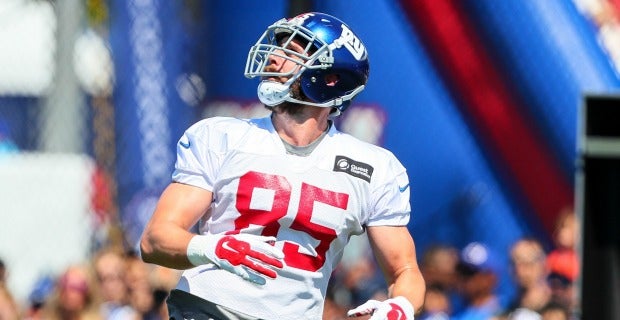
355,168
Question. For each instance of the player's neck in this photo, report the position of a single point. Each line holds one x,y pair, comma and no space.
302,127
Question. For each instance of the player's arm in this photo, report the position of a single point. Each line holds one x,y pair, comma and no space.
394,249
166,236
166,240
395,252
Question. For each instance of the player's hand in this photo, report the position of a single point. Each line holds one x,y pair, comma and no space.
249,256
398,308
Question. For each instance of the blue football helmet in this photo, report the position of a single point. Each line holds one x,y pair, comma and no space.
331,50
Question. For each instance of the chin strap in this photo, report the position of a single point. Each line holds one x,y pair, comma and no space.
272,93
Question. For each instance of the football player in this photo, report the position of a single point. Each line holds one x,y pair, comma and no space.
277,198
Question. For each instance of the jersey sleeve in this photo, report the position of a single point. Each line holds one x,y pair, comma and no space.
199,154
390,205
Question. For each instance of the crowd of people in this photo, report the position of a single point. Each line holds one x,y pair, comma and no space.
114,284
461,284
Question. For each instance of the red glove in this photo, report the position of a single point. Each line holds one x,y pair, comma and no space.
249,256
398,308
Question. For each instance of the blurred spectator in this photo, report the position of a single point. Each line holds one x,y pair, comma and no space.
522,314
364,282
562,290
555,311
477,270
563,262
528,257
141,297
73,298
356,280
353,281
563,258
438,266
149,286
111,268
436,304
162,280
39,297
9,309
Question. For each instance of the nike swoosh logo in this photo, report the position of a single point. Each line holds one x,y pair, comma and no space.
226,245
185,145
403,188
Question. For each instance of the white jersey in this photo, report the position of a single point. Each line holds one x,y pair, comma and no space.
311,204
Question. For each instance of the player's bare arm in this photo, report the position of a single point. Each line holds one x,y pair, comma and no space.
394,249
167,235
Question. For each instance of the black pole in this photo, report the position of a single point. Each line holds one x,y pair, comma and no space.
599,191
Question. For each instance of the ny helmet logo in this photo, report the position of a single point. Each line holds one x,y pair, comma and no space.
352,43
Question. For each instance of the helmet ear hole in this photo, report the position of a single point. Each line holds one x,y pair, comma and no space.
331,79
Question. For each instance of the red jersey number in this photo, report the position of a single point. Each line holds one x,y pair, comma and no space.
302,222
